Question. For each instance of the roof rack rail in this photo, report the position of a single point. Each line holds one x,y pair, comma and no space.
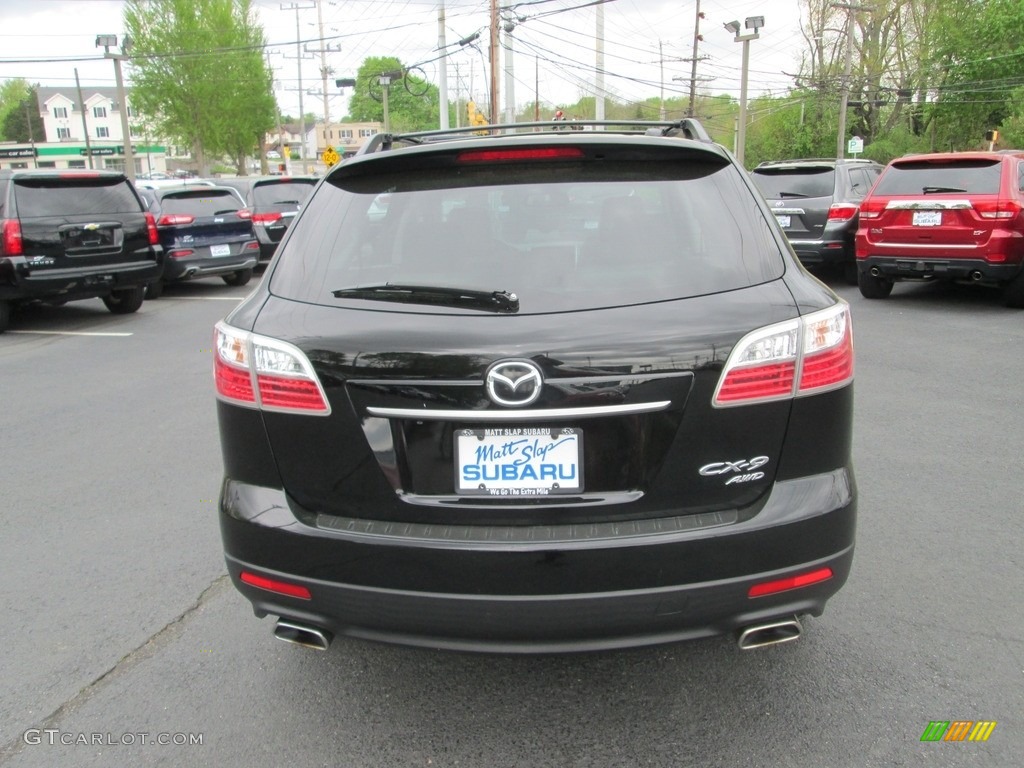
687,128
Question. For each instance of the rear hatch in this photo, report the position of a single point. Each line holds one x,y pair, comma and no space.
275,202
80,221
943,207
519,340
799,196
209,221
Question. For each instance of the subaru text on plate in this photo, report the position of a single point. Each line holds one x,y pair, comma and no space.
537,391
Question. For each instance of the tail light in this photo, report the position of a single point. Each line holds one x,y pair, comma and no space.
260,372
842,212
998,209
154,236
174,219
266,218
244,213
871,209
799,357
11,234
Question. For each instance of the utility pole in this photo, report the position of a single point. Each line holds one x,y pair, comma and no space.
661,79
324,71
845,99
510,90
299,57
494,62
599,64
693,62
85,126
442,88
31,137
122,99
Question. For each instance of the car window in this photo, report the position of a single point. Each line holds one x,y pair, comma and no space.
795,182
973,176
640,233
201,202
68,196
286,194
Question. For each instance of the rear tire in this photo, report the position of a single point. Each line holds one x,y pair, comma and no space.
849,270
1013,292
241,277
5,315
126,300
873,287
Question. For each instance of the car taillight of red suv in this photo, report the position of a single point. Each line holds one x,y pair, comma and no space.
948,216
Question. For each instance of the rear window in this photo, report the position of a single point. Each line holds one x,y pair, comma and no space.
977,176
201,202
69,196
795,182
579,237
280,195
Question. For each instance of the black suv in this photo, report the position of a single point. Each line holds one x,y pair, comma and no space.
274,202
537,390
816,203
206,231
67,235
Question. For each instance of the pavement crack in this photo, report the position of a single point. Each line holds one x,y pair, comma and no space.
131,659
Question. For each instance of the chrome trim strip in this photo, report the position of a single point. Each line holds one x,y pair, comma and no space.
925,247
928,205
788,211
533,414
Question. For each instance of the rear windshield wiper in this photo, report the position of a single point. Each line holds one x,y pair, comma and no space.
792,194
931,190
496,301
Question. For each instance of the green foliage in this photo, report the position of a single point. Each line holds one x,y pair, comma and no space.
412,102
18,106
199,75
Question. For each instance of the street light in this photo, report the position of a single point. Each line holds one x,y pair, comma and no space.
755,23
106,42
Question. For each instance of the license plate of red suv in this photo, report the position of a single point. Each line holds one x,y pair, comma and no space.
927,218
519,461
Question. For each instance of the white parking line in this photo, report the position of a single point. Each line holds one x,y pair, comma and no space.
202,298
72,333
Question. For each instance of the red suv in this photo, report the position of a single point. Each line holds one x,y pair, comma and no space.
952,216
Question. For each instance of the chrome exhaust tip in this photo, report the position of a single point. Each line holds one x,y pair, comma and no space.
875,272
976,276
302,634
773,633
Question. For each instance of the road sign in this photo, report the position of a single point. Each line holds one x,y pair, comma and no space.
330,157
855,146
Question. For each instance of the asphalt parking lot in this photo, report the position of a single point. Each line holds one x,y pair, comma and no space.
121,630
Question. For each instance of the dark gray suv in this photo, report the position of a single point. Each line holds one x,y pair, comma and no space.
816,204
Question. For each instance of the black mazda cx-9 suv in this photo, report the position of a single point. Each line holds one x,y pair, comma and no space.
537,391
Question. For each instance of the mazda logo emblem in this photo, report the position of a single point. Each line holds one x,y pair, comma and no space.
514,383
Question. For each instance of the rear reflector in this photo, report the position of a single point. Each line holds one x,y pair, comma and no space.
791,582
798,357
515,155
180,254
257,371
272,585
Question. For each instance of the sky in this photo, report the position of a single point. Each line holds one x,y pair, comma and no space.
646,42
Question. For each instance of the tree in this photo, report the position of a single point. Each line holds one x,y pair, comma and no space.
12,93
412,102
21,122
199,75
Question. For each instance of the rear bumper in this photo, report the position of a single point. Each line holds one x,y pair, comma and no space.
909,268
19,280
823,252
460,589
186,269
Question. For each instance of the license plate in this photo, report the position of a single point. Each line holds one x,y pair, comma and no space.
784,221
220,250
518,461
927,218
